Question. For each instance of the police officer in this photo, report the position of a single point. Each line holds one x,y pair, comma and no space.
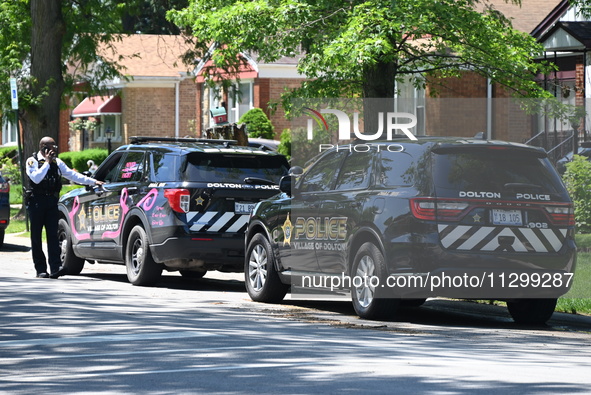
45,171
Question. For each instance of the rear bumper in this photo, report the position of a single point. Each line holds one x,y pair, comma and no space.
227,252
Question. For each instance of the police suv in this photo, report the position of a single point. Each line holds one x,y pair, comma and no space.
167,203
400,221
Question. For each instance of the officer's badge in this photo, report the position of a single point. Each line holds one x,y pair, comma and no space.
287,228
31,162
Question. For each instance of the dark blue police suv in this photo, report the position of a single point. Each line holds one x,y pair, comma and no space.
168,204
397,222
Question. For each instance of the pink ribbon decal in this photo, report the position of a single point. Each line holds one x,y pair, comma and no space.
75,207
124,210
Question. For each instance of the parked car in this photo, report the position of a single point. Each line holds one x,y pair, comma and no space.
4,207
398,222
264,144
168,204
584,150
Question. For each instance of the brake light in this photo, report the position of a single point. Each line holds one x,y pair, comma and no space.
430,210
4,187
561,214
178,199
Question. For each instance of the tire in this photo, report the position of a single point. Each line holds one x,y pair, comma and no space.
366,297
260,276
70,262
2,237
193,274
141,267
531,311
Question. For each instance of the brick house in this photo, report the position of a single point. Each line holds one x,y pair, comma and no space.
467,105
258,84
160,97
155,96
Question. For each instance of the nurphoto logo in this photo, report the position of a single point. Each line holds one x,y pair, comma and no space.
390,119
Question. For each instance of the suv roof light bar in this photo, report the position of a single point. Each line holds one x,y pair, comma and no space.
146,139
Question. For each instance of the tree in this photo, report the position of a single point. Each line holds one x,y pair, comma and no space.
149,16
359,48
48,45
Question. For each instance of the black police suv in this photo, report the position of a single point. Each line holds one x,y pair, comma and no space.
167,203
397,222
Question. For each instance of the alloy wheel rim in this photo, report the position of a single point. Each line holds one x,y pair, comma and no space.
257,267
365,271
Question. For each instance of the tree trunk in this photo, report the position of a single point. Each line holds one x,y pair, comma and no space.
47,34
378,94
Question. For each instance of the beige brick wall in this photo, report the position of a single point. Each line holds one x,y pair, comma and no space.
151,111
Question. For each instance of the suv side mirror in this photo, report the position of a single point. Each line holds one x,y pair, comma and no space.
285,184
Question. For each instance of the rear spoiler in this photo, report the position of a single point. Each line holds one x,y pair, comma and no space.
443,148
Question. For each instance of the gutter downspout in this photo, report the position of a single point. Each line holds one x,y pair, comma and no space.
488,109
176,108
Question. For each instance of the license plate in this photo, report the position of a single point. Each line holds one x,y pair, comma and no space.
243,208
507,217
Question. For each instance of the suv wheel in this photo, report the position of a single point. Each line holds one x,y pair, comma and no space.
70,262
2,237
531,311
261,278
141,267
368,268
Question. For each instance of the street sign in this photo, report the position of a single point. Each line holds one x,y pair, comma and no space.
13,94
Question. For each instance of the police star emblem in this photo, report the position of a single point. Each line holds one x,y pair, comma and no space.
287,228
476,218
82,219
199,201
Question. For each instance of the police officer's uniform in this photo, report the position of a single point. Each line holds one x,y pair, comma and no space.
44,187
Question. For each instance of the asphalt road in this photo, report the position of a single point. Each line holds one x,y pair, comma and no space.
96,333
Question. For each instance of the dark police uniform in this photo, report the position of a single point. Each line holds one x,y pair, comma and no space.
44,187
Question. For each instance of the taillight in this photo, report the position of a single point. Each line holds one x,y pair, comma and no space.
430,209
563,215
178,199
4,187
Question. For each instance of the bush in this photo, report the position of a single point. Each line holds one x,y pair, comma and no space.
77,160
578,182
257,124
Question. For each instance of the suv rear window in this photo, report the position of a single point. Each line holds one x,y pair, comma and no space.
230,168
494,170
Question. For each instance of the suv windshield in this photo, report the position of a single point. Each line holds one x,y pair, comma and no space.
230,168
494,170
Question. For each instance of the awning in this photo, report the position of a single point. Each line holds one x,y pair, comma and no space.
98,105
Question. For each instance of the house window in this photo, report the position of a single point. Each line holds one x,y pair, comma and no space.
411,99
108,121
9,132
240,100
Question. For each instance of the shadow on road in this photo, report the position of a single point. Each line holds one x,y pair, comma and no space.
8,247
435,312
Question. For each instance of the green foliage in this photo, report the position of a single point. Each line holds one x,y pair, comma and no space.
301,149
11,172
578,182
258,124
78,160
284,147
360,48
